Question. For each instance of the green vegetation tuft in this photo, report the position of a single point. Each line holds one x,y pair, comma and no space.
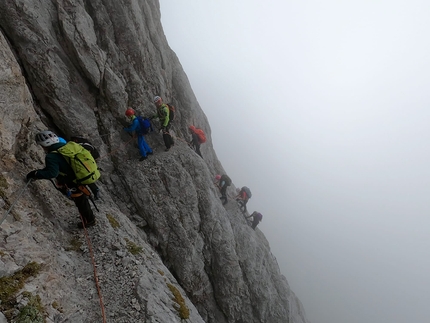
183,311
3,186
133,248
3,182
113,222
11,285
75,245
33,312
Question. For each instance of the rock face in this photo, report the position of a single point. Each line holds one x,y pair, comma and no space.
165,248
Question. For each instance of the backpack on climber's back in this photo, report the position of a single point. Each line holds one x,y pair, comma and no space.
171,112
81,161
201,135
226,179
145,125
247,191
259,216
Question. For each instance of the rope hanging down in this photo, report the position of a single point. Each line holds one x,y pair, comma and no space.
95,271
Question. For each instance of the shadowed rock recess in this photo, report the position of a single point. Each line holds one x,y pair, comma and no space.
165,247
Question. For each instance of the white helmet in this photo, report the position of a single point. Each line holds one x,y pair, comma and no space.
47,138
156,99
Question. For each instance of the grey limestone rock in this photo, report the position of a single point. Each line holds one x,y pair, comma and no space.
164,245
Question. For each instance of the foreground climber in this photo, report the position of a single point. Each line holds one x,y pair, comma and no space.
95,153
223,181
135,128
165,117
56,166
198,138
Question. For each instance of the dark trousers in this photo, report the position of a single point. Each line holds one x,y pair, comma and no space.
94,188
168,140
255,222
167,137
223,191
83,205
196,144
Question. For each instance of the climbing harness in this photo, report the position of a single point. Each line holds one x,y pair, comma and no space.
95,270
16,200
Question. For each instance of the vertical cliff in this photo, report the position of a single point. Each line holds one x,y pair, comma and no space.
166,249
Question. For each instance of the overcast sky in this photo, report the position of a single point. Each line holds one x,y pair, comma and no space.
322,108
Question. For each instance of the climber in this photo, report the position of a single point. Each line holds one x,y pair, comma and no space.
256,219
198,138
223,182
95,153
56,166
243,197
135,127
163,114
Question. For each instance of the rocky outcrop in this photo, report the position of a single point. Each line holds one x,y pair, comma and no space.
166,249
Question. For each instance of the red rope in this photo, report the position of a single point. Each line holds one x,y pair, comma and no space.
95,271
115,150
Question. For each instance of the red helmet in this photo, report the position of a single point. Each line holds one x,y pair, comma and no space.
129,112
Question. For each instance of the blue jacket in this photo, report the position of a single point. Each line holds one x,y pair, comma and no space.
134,127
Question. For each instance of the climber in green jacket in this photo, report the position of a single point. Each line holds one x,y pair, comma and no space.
164,115
56,166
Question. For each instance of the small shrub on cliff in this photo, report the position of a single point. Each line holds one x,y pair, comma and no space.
75,245
113,222
11,285
133,248
33,312
183,311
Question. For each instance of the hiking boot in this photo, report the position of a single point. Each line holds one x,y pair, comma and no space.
143,158
150,153
87,225
167,149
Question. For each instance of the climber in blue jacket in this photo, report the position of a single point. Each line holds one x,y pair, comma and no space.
135,127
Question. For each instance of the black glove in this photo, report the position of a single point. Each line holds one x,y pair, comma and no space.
31,175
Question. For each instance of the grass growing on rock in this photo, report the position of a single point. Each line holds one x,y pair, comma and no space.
113,222
133,248
183,311
3,186
75,245
33,312
11,285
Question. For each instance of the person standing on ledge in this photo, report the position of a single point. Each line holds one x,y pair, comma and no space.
165,115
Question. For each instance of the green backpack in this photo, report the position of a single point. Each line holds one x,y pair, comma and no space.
81,161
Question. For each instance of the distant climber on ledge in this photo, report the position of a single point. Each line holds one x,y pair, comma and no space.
165,113
198,138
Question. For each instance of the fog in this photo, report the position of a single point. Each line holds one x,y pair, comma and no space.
322,109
